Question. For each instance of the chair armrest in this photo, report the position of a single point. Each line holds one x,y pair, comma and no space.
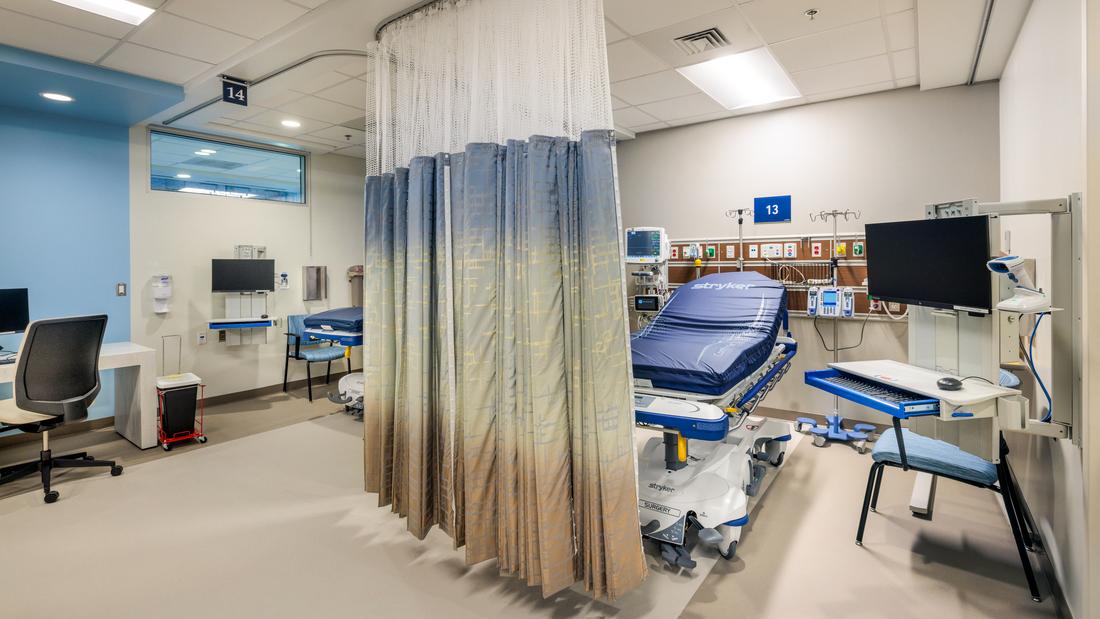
297,344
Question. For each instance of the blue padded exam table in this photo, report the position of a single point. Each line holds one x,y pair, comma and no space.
344,326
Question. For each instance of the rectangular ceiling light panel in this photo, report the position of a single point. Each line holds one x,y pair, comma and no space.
742,80
122,10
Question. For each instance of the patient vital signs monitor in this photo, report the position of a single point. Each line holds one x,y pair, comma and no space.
14,310
931,262
647,246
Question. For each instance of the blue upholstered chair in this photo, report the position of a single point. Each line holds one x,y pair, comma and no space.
301,347
910,451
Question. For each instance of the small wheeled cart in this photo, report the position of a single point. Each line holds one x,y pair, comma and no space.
180,409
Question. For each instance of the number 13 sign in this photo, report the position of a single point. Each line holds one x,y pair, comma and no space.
771,209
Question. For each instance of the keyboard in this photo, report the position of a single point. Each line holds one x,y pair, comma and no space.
873,394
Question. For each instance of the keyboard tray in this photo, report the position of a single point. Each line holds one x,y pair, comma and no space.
879,396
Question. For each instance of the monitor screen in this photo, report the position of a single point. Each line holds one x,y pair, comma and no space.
242,275
14,310
828,297
643,243
931,262
646,303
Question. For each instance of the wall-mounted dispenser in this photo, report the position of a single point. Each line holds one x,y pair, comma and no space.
314,283
162,293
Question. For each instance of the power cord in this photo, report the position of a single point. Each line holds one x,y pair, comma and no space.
1031,364
862,329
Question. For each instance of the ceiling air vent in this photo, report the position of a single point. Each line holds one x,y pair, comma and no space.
702,41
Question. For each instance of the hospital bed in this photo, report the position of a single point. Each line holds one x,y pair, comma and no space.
344,326
701,367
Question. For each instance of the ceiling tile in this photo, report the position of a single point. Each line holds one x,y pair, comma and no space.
273,97
779,20
351,92
638,16
905,63
355,66
68,16
730,22
338,134
851,92
186,38
844,75
682,107
700,119
633,117
617,103
663,85
38,35
359,152
905,82
627,59
893,6
322,109
309,4
307,78
842,44
271,122
901,28
233,113
613,33
252,18
153,63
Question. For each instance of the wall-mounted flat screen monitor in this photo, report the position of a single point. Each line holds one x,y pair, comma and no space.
931,262
14,310
242,275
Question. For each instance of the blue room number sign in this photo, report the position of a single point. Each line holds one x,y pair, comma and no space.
771,209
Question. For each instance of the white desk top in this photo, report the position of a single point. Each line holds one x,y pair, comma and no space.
111,356
923,381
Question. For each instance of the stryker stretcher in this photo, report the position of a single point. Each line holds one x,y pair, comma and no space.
345,327
701,367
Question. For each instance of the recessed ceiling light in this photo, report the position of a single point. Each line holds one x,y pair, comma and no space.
203,153
182,175
56,96
742,80
122,10
208,151
292,124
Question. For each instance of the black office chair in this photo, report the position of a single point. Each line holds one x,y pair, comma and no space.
56,379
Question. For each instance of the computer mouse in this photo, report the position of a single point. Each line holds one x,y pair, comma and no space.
949,384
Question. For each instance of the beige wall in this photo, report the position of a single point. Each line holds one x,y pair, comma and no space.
179,233
885,154
1043,156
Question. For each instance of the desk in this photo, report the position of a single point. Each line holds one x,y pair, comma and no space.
135,389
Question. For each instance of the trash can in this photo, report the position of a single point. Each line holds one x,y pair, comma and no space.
180,409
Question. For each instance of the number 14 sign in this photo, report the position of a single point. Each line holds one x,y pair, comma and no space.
771,209
234,91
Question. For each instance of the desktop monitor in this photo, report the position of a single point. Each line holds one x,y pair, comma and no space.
931,262
14,310
227,275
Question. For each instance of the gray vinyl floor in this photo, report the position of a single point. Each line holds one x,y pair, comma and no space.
797,558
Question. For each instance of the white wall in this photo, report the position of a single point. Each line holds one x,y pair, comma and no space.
1043,156
179,233
886,154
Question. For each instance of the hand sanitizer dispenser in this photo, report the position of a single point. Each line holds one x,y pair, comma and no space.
162,293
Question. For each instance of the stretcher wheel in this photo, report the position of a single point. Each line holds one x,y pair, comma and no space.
728,553
778,462
116,470
819,440
51,496
166,446
201,439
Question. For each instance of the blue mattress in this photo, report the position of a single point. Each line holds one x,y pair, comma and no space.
342,319
712,333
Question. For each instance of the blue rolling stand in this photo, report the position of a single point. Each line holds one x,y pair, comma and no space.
834,431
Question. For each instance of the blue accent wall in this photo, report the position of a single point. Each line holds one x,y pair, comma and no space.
65,213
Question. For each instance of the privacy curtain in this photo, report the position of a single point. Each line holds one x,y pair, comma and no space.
498,402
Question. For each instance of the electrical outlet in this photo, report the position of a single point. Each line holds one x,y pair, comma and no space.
815,250
858,248
120,289
893,307
875,305
841,249
675,254
754,251
730,252
712,252
202,338
790,250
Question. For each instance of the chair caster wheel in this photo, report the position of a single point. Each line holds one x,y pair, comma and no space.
778,460
166,447
201,439
116,470
729,553
51,496
859,543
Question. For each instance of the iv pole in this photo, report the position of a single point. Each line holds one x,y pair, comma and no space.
739,213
